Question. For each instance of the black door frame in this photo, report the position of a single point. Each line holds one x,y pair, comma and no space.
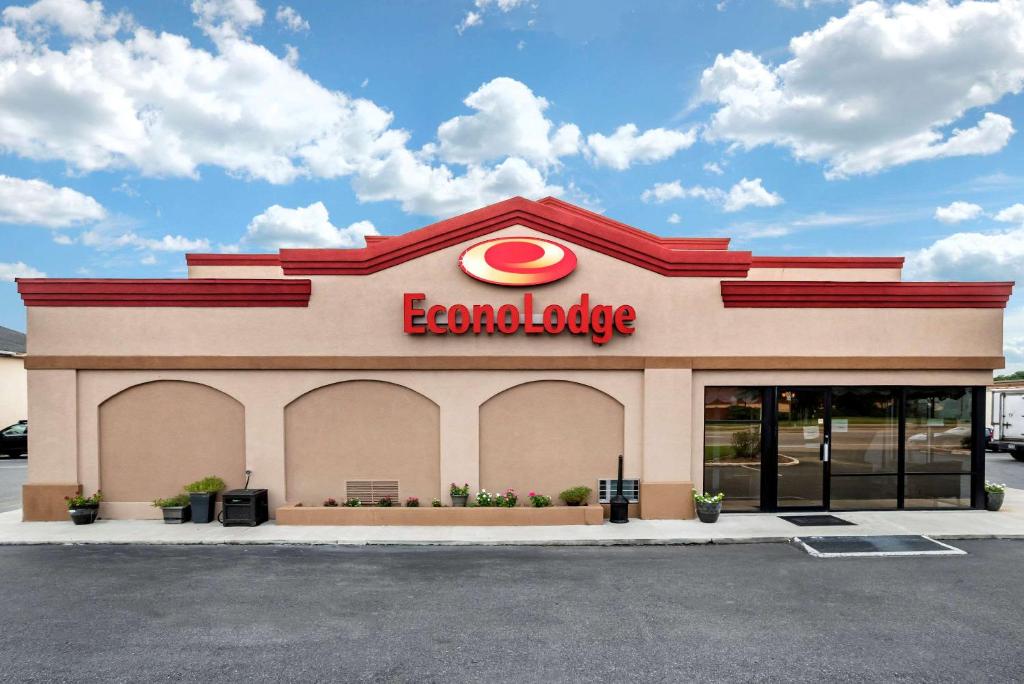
770,445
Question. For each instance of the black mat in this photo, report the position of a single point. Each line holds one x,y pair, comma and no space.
815,520
886,545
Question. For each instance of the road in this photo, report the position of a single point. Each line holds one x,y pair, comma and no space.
736,613
12,475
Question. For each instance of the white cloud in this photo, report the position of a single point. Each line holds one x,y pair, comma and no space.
877,87
227,19
750,193
503,5
469,21
997,255
18,269
1012,214
303,227
714,168
509,121
106,240
287,17
37,203
156,104
626,146
675,218
745,193
74,18
424,189
958,212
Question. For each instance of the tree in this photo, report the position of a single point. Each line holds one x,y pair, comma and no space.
1019,375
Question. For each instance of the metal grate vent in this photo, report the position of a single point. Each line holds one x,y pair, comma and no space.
606,489
369,492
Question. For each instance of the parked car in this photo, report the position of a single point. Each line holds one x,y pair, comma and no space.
14,440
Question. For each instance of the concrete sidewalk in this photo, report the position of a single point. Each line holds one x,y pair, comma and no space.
734,528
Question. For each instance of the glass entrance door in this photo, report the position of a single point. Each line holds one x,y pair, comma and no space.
802,448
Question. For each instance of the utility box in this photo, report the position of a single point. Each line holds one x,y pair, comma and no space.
244,508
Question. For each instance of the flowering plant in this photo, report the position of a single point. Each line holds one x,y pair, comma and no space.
507,499
484,499
385,502
994,488
78,500
706,498
412,502
330,502
539,500
435,502
353,502
456,490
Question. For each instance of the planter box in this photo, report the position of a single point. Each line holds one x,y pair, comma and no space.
370,515
175,515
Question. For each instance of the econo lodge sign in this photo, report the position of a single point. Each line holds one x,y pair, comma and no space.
517,262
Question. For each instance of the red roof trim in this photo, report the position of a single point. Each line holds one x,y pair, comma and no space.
825,262
233,259
679,242
578,227
205,292
783,294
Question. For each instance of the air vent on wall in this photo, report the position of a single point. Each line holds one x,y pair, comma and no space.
606,488
369,492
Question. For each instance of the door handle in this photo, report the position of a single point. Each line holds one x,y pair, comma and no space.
825,451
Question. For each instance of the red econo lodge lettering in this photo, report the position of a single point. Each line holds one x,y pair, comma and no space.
600,321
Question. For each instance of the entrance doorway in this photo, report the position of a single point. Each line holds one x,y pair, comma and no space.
837,448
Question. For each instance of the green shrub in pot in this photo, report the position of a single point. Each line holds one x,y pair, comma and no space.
83,510
202,495
575,496
176,509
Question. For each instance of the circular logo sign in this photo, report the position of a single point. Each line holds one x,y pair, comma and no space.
517,262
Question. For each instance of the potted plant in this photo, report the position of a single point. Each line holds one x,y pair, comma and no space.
176,509
994,494
385,502
708,506
202,494
84,509
507,499
412,502
539,500
435,503
330,503
353,502
484,499
575,496
460,495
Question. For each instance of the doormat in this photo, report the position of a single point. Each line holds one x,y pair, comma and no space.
815,520
887,545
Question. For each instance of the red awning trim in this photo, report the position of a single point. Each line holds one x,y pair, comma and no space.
196,292
233,259
631,246
825,262
790,294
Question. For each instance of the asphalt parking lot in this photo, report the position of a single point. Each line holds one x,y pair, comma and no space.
754,612
1003,468
12,475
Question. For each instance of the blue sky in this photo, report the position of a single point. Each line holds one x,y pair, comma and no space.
133,132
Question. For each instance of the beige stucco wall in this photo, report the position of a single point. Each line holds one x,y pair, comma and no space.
361,430
157,437
362,315
13,390
71,451
547,436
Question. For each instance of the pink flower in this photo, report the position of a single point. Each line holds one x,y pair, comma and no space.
533,494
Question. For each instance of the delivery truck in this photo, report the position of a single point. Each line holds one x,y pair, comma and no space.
1007,420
